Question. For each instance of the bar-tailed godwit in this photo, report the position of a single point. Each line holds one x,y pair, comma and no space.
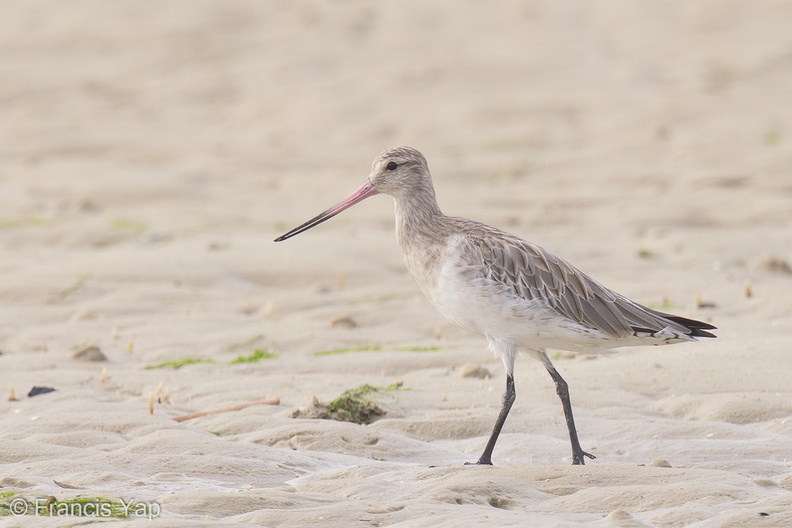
519,296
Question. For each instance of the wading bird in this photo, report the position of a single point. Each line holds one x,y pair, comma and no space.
519,296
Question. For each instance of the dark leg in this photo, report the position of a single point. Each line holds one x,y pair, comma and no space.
578,455
508,399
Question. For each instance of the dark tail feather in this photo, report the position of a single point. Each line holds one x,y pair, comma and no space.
697,328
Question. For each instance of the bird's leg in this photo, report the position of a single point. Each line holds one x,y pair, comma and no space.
508,399
578,455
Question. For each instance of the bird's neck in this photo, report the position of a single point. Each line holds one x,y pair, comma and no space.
418,218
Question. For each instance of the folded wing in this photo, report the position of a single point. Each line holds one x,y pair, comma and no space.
532,273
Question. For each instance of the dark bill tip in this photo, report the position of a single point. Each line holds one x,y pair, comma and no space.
318,219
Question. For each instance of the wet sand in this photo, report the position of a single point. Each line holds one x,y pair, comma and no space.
151,155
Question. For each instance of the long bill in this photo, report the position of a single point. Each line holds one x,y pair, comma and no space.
366,190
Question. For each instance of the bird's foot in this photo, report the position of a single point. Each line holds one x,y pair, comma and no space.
480,462
579,459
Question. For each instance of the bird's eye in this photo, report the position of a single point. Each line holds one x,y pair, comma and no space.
392,165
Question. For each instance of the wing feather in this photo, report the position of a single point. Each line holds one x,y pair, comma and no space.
532,273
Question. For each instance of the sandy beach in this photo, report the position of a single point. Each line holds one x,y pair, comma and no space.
150,154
